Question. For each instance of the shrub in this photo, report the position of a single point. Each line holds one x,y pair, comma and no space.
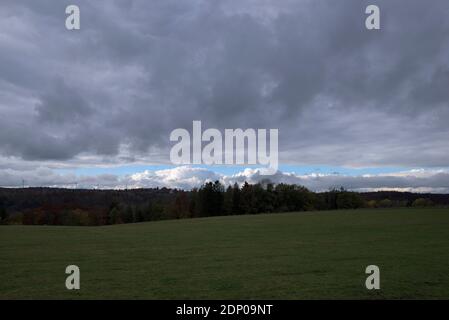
422,202
371,204
385,203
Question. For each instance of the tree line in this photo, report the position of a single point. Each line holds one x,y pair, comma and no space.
46,206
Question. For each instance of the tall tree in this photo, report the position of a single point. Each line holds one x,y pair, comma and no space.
211,199
114,216
227,202
236,201
3,215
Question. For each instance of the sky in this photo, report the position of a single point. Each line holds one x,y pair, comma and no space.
94,108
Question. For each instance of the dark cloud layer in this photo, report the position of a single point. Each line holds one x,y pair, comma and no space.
340,95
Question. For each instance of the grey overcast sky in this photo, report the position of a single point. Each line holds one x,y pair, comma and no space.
109,95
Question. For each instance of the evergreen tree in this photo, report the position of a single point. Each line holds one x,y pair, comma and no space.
193,205
211,198
3,216
227,202
114,216
127,214
139,214
236,201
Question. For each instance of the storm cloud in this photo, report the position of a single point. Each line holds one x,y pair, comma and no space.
112,92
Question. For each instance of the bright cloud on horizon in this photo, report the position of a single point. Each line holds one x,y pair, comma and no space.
187,177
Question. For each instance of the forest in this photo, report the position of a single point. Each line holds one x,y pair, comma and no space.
83,207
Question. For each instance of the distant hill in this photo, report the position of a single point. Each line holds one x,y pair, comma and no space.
17,199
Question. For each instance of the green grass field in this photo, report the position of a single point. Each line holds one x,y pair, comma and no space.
312,255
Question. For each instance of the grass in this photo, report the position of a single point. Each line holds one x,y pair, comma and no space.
314,255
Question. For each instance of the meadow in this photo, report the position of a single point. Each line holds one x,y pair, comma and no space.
304,255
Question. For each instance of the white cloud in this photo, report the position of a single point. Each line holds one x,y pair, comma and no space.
180,177
185,177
